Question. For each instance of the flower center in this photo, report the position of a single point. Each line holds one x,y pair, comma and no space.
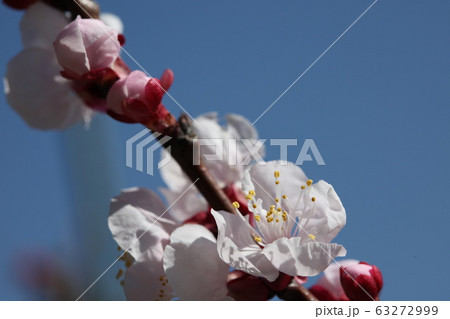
277,221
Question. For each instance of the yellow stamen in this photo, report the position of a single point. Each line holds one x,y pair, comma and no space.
277,200
313,199
258,218
276,174
236,205
284,196
312,236
249,197
303,186
254,206
277,182
309,182
257,239
251,192
269,219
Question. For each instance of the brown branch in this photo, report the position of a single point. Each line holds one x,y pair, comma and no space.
299,293
182,149
83,8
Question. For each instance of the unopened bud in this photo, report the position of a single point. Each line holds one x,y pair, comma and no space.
361,282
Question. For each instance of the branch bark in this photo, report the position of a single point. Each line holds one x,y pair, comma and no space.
182,148
298,293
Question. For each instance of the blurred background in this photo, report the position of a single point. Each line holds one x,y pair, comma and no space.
376,105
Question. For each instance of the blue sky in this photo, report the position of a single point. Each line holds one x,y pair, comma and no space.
376,105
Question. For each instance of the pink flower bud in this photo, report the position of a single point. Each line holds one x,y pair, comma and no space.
361,282
86,45
137,99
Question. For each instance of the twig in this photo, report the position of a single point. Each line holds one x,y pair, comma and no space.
182,148
299,293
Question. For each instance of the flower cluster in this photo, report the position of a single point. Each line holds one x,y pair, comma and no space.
279,225
68,70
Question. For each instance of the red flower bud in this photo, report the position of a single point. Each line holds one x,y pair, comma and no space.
361,282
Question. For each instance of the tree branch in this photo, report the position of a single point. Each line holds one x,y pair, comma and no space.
299,293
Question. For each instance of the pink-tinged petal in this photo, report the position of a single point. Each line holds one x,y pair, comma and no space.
36,91
70,49
105,49
192,264
308,259
166,79
184,204
237,248
260,178
137,224
129,87
86,44
330,282
146,280
34,32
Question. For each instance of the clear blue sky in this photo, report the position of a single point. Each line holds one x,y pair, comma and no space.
377,106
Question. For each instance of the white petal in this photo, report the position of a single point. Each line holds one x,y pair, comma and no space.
36,91
146,280
184,205
237,248
192,264
112,21
172,174
136,223
308,259
260,178
242,127
40,25
329,214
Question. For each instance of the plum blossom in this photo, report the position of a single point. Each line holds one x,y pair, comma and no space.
33,85
136,98
157,270
295,222
227,173
86,45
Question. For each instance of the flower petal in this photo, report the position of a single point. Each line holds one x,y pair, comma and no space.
136,223
34,32
185,204
237,248
260,178
308,259
36,91
192,264
146,280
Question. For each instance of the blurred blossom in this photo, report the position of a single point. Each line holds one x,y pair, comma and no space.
43,273
33,85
